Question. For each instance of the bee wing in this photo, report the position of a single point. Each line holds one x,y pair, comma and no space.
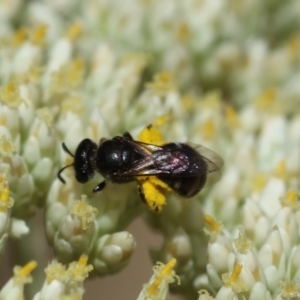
213,160
169,161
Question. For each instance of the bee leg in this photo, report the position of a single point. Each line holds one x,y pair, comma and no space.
128,136
99,187
141,193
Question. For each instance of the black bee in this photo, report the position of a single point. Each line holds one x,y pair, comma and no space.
182,167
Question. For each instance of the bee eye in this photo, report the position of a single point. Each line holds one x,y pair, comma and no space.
84,161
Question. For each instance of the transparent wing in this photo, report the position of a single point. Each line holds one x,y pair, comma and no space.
175,160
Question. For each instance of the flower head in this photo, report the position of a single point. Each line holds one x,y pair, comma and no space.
157,288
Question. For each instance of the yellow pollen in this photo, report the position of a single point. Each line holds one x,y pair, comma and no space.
183,32
39,34
153,188
234,275
280,170
292,196
162,274
231,116
209,129
259,182
4,195
267,101
161,120
169,267
294,45
19,36
291,199
162,84
212,223
153,192
267,97
74,31
83,259
27,269
151,135
164,77
5,201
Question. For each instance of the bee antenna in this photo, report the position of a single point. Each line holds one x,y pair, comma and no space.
60,171
66,149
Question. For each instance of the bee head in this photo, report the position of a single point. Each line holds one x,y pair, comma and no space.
83,164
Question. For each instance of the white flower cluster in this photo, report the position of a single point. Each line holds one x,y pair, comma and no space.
71,70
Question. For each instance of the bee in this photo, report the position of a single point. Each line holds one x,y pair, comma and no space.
184,168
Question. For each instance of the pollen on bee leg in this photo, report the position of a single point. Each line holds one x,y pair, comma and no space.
153,195
151,135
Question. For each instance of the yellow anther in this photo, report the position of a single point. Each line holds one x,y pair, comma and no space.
231,116
259,182
209,129
162,84
83,259
212,223
292,196
291,199
19,36
27,269
234,276
183,32
267,101
74,31
163,272
38,36
4,194
78,271
161,120
280,170
294,45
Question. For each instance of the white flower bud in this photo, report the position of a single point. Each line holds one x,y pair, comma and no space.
113,252
18,228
